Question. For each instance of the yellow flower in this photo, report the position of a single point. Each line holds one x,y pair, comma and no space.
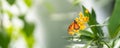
86,11
76,30
71,33
82,27
82,20
86,19
81,14
76,19
81,23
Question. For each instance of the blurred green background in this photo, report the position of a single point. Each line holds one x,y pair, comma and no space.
43,23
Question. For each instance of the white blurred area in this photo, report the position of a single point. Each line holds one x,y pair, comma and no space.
20,8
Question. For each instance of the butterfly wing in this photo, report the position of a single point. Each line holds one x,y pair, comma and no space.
76,26
73,26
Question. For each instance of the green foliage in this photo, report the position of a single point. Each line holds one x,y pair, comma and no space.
9,30
28,31
92,21
11,2
28,2
4,39
7,34
86,33
86,36
30,41
28,27
114,21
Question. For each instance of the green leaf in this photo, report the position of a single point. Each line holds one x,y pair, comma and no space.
30,41
11,2
113,42
114,21
117,31
22,17
28,27
92,21
86,33
28,2
9,30
85,14
28,31
86,36
85,39
4,39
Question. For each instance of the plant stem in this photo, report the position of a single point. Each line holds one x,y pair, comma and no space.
98,25
88,44
106,44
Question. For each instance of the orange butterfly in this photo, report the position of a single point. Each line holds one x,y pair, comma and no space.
72,27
